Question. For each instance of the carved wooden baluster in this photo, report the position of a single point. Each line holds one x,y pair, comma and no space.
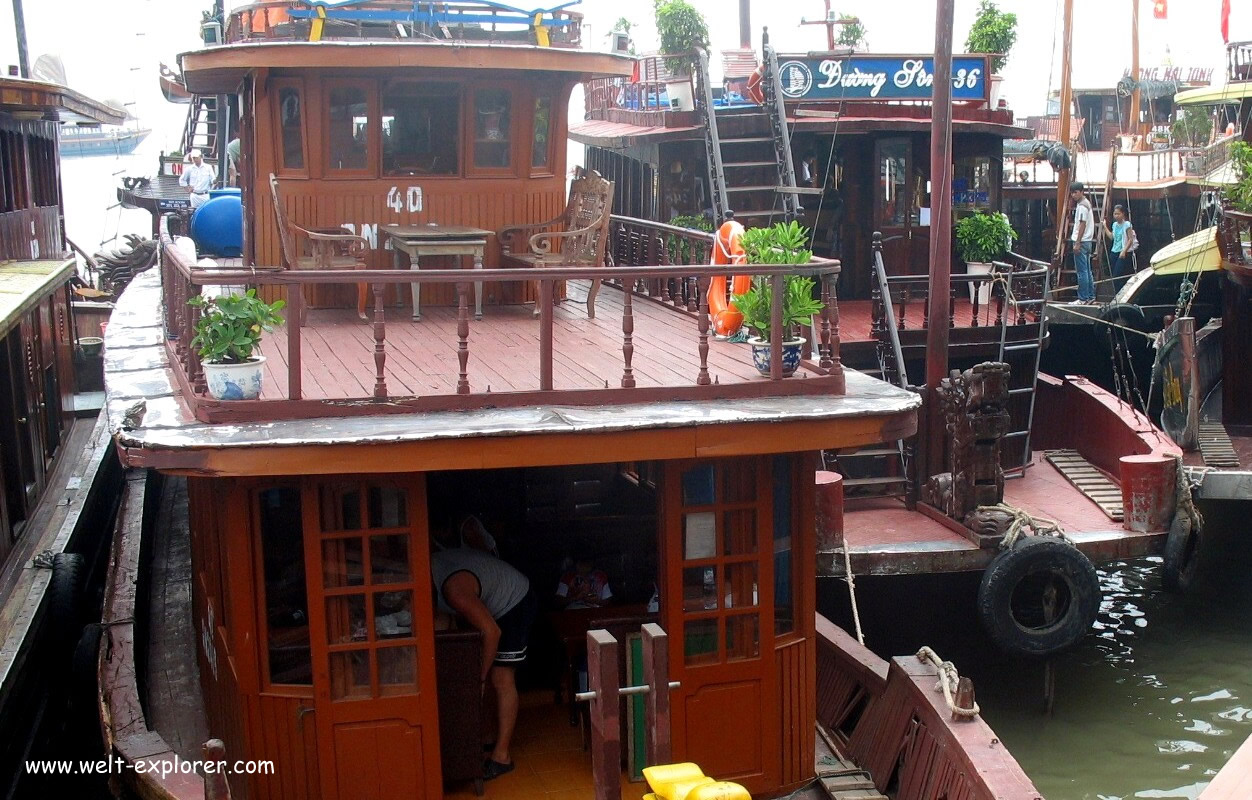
823,348
832,313
702,320
628,338
295,373
181,334
905,295
951,306
380,343
693,293
462,336
1001,290
925,311
545,335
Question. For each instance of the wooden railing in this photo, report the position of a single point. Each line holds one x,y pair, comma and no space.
635,243
1203,160
271,20
890,721
1234,240
1239,61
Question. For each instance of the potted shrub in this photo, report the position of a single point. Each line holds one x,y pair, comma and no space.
782,243
1240,193
227,335
993,32
681,29
981,238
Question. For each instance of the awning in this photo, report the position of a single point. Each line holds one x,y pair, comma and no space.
24,283
1195,252
1215,95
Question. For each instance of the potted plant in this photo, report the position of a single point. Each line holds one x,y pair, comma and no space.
981,238
1240,193
782,243
682,29
227,335
994,32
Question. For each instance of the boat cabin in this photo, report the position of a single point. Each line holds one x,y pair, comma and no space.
37,336
614,434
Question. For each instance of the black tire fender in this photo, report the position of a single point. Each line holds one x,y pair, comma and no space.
1181,549
67,599
1033,565
1127,314
84,675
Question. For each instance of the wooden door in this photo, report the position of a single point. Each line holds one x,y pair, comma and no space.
34,418
373,639
899,194
718,603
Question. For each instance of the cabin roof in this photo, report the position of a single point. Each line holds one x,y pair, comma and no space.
60,102
24,283
221,69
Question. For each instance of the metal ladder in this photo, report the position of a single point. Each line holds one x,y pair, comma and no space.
200,130
880,470
771,86
1026,387
712,141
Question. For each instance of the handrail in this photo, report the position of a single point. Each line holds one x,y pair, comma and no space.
643,96
880,272
685,285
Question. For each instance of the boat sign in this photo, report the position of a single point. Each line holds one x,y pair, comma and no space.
814,77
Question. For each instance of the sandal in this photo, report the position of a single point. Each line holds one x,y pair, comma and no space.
493,769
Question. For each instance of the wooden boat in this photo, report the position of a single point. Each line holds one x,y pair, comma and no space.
96,141
57,474
251,576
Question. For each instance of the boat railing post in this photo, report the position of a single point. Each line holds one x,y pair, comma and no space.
462,336
656,702
380,342
776,333
545,335
702,322
215,785
628,338
606,741
295,309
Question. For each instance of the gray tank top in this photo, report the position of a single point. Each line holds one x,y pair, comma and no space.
501,586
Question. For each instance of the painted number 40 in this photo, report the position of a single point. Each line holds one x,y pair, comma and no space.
397,200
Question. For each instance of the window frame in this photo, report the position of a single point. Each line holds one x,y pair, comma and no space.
373,130
463,150
261,606
277,85
471,90
548,170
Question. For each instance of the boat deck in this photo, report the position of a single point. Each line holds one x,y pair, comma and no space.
885,538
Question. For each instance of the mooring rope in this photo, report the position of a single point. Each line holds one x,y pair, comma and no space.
1042,526
1182,493
949,680
847,576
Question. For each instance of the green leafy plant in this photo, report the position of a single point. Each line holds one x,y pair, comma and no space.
682,29
781,243
1193,128
983,237
851,34
1240,193
994,32
678,247
230,327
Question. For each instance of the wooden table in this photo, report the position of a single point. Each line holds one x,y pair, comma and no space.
438,240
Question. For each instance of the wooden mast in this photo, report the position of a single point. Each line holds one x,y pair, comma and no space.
1067,100
1134,67
939,299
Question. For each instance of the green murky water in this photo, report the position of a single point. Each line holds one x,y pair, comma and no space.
1150,705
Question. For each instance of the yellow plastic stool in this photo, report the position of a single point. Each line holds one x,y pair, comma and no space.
686,781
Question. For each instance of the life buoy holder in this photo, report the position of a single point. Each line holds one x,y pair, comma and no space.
1038,597
727,250
753,90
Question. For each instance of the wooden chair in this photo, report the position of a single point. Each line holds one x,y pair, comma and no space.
577,238
330,248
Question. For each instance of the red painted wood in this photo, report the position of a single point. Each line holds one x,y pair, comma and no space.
656,704
606,744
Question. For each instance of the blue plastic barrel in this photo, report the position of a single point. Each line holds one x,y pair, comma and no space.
217,226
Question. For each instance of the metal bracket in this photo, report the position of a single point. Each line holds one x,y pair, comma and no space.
625,690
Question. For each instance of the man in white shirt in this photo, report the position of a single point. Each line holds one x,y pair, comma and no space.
1081,239
198,177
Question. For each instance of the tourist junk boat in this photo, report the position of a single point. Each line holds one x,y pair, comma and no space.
1061,440
270,584
97,141
58,475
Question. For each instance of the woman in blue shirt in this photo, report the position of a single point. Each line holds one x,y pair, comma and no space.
1121,259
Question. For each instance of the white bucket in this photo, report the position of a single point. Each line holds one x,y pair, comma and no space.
984,290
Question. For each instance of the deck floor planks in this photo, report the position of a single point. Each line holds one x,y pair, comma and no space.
337,350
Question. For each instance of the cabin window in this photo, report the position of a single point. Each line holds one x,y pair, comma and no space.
291,127
895,198
286,604
971,183
492,128
420,123
348,131
540,148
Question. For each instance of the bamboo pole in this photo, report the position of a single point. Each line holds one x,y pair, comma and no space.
1067,100
1134,66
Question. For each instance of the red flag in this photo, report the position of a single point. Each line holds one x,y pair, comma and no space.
1226,21
1159,9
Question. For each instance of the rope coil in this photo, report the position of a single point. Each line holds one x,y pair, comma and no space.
949,679
1041,526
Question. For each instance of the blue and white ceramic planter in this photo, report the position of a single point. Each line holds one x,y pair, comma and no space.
790,354
235,381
